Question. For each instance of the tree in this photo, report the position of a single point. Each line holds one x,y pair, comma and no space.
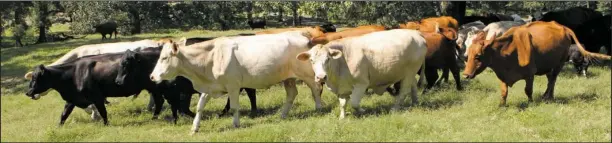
294,8
19,24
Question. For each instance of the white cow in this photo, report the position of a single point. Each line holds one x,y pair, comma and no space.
351,65
224,65
493,30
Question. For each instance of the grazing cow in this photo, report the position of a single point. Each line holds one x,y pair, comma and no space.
493,30
89,80
581,64
522,52
142,63
257,24
376,60
327,37
596,33
328,28
224,65
107,28
572,17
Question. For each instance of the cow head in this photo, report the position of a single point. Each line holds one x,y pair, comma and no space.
319,57
477,58
128,65
470,38
166,67
40,82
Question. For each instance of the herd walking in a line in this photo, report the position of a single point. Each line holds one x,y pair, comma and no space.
347,62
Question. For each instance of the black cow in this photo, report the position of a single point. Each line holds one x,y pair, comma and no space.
89,80
143,62
107,28
486,19
257,24
596,33
328,28
572,17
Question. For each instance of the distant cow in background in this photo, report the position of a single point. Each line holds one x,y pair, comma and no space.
572,17
486,18
257,24
328,28
107,28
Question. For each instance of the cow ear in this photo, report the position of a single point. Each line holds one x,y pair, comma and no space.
304,56
335,54
182,41
41,69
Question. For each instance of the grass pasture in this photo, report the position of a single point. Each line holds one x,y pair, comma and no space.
580,112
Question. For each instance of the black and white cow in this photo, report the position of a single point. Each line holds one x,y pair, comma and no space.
88,81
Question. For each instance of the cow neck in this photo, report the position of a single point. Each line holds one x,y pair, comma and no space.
57,72
337,68
195,63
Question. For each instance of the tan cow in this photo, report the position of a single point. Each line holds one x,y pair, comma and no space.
522,52
347,33
224,65
376,60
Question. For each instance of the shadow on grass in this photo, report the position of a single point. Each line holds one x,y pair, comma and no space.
580,97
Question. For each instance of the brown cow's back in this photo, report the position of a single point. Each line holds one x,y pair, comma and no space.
357,31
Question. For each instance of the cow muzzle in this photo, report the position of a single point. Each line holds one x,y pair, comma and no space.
320,78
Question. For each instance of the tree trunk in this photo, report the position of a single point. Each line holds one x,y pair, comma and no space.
459,10
43,11
135,16
280,13
294,8
249,9
18,25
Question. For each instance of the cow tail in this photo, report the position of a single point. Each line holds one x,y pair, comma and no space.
585,53
83,75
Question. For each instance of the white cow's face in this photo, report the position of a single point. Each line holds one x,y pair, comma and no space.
319,57
166,67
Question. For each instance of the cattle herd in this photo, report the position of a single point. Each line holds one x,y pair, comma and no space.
347,62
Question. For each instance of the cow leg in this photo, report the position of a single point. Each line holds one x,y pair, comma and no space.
102,111
356,95
342,100
226,108
251,93
529,88
552,79
159,102
67,110
185,102
455,71
291,93
443,77
504,93
235,105
431,74
175,110
151,103
315,90
199,111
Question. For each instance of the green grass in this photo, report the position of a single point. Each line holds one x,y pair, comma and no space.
580,112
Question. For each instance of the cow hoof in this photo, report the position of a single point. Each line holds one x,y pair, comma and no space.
154,118
192,133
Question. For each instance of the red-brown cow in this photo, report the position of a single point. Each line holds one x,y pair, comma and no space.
522,52
324,39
